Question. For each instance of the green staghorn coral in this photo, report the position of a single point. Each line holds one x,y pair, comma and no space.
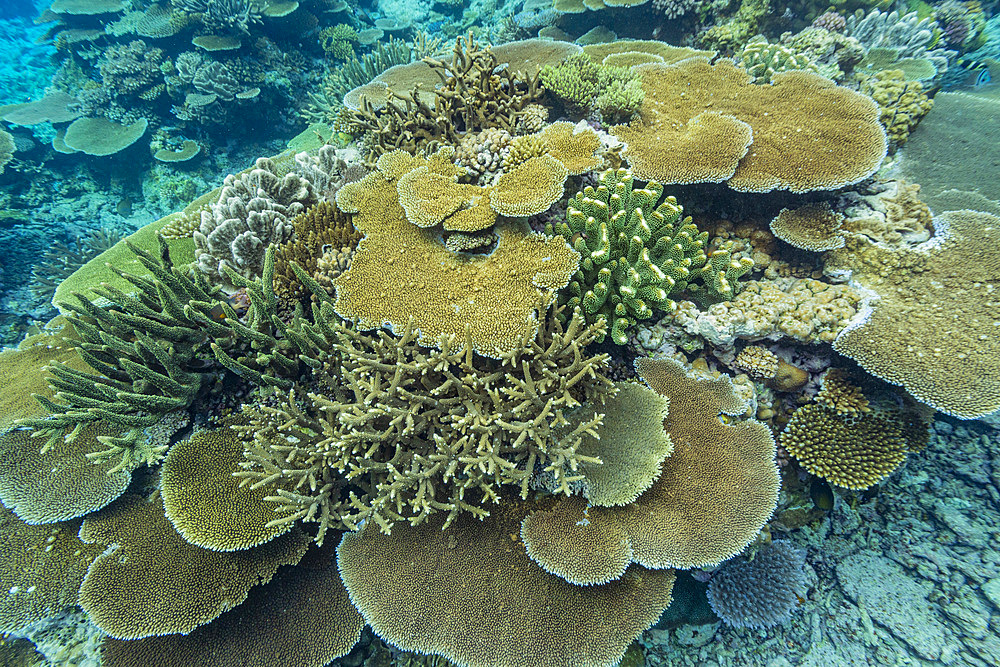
338,41
635,254
763,60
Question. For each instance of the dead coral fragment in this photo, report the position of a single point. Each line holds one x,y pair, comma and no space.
400,271
810,227
802,133
717,488
401,432
471,594
148,581
850,451
933,329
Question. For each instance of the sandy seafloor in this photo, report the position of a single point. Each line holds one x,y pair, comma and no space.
911,577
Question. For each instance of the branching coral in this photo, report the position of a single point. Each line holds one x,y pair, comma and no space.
763,60
761,591
636,253
582,84
317,230
397,432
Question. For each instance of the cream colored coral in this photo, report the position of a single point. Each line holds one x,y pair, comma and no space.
758,361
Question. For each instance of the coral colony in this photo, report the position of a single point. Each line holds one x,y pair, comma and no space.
526,333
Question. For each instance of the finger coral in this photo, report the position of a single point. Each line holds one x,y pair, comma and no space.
801,133
761,591
471,594
143,556
635,253
489,300
401,432
717,488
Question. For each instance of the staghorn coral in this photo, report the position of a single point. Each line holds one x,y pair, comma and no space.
41,569
932,327
716,490
490,605
489,301
724,128
398,432
206,503
302,617
854,451
763,60
143,556
475,92
338,41
761,591
62,482
901,103
635,254
320,229
812,227
254,210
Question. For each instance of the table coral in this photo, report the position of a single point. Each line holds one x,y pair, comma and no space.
811,227
933,326
801,133
716,490
635,254
490,300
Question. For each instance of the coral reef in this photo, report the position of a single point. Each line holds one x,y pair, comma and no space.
635,254
761,591
902,103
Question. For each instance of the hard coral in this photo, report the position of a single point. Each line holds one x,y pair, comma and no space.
761,591
902,103
811,227
490,605
853,451
318,229
635,254
488,301
933,328
398,432
716,489
802,133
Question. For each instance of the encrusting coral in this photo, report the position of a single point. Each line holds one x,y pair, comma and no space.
635,253
762,591
396,432
800,133
902,103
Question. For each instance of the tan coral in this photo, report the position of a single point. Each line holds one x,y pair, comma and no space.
575,149
855,452
398,272
302,617
41,568
802,133
665,52
811,227
933,328
488,604
206,503
320,227
148,581
523,149
759,362
842,396
430,199
529,188
716,490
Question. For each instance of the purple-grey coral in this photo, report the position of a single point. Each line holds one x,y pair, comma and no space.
761,591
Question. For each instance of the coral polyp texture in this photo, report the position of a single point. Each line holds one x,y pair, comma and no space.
800,133
636,253
761,591
809,227
932,324
401,272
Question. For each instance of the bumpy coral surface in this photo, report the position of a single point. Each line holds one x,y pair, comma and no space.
762,591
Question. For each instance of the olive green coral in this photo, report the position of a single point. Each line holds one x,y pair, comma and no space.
399,432
635,253
763,60
581,84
